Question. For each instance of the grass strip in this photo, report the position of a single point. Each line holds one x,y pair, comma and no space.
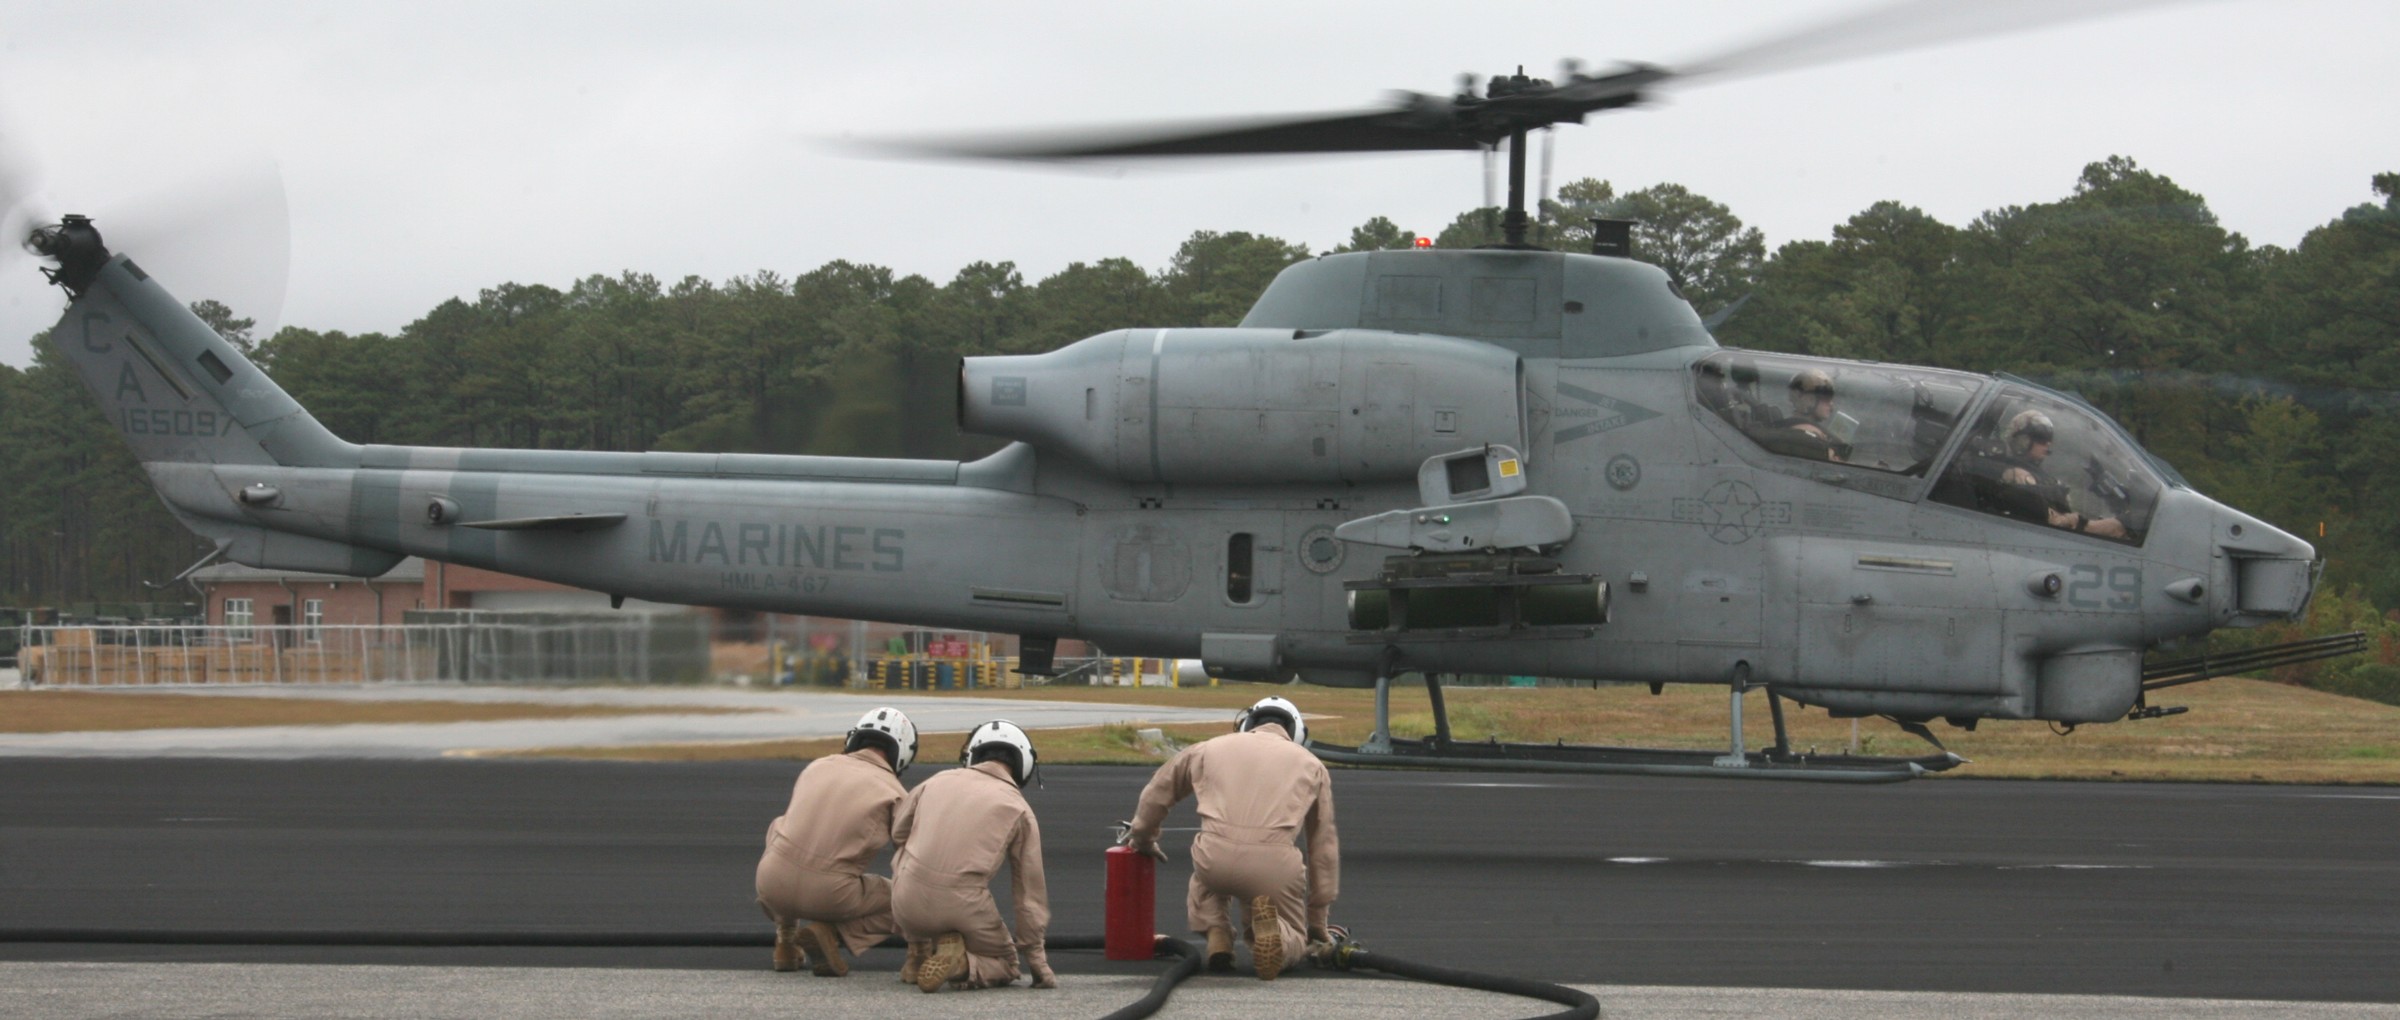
2237,730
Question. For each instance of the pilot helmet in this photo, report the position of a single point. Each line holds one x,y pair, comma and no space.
1279,711
888,729
2027,428
1807,387
1004,742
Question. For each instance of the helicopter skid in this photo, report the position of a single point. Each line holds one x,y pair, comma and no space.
1492,756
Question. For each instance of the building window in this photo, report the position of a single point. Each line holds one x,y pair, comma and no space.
312,620
237,619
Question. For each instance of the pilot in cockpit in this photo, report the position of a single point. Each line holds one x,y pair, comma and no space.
2027,444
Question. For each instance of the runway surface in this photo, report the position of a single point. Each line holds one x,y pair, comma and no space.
2177,892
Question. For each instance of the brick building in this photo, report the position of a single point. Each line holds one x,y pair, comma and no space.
240,596
248,596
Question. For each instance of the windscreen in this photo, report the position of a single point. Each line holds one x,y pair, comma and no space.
1882,417
2040,459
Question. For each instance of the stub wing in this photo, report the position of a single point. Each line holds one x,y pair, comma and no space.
557,522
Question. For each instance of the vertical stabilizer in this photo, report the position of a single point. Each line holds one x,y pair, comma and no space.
177,391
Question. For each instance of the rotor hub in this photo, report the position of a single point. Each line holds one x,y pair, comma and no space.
74,243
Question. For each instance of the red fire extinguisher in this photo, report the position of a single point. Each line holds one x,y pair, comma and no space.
1132,904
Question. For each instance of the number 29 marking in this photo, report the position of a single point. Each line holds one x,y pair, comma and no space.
2115,588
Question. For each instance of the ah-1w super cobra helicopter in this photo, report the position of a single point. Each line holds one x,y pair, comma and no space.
1502,460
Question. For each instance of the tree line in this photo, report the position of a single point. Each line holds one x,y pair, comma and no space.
2267,375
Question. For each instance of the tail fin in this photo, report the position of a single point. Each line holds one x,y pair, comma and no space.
190,405
177,390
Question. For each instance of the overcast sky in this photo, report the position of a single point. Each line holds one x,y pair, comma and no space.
429,150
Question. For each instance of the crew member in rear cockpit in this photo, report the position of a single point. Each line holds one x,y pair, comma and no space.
2028,440
1734,399
1803,434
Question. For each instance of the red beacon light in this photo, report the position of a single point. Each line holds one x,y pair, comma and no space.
1424,242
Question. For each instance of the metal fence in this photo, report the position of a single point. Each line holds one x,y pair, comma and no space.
644,649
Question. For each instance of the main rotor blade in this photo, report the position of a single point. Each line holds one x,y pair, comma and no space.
1420,125
21,208
220,233
1894,27
1417,122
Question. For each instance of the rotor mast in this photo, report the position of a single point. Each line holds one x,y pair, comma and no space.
1514,223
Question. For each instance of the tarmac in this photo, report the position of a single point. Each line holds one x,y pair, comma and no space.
1663,897
119,991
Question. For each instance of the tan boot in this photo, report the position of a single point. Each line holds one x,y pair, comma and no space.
1266,938
947,962
824,947
917,952
788,954
1220,951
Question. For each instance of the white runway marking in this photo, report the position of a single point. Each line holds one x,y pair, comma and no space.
1510,786
1873,864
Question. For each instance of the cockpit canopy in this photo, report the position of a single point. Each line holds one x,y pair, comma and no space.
2037,457
1882,417
2029,454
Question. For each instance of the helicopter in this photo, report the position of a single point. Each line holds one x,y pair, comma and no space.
1432,461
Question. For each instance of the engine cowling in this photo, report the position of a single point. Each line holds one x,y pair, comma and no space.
1250,405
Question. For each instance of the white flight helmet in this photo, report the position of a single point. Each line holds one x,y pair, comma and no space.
885,725
1274,710
1006,734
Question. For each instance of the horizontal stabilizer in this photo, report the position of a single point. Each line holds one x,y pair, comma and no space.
560,522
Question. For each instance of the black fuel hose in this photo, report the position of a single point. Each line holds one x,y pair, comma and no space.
1187,964
1581,1005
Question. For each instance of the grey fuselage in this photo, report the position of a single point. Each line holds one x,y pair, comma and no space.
1143,453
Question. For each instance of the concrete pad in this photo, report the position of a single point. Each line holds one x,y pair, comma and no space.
123,990
775,715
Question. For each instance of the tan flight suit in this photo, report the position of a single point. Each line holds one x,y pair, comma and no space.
817,854
954,831
1258,790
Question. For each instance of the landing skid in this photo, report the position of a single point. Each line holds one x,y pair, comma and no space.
1438,751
